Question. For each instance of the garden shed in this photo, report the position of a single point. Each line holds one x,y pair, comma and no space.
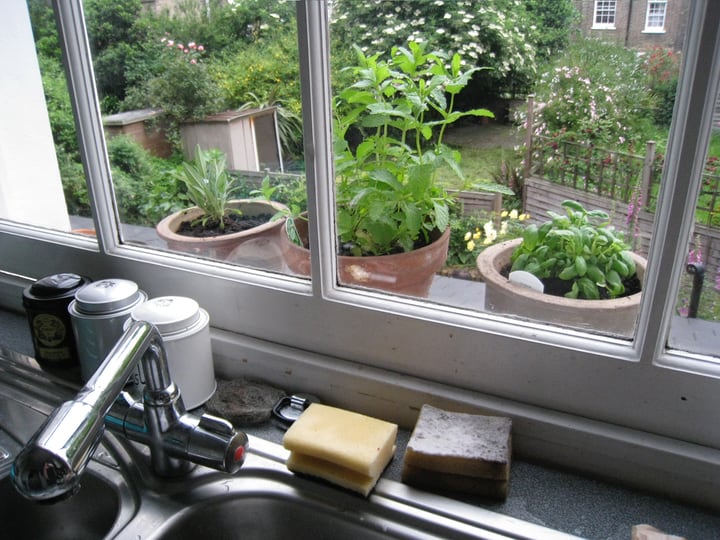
143,125
249,138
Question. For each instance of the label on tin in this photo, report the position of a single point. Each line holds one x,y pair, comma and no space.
50,335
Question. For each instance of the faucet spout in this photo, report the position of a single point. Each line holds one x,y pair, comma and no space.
50,465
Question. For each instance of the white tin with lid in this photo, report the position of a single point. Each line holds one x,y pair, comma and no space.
98,315
185,329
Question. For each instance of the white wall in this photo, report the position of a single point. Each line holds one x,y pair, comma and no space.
30,186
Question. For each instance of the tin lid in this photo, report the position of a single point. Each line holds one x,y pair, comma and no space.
107,296
56,286
170,314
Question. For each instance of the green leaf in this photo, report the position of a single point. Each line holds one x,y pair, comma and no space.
530,237
569,272
580,265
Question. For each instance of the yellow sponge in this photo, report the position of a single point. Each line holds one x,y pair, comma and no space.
343,447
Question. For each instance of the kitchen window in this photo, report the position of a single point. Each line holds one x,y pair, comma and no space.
567,388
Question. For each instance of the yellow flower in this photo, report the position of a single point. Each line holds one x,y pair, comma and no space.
477,235
513,214
468,236
503,228
504,213
523,217
470,245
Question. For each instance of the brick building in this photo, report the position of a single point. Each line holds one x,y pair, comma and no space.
640,24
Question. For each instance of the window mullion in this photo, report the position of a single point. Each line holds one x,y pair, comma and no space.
313,38
88,120
687,149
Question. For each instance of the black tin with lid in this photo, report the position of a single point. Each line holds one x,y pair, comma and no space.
46,302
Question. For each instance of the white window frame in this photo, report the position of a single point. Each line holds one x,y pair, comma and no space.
652,14
613,407
606,11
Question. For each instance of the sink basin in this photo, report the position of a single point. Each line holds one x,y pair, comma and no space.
266,506
266,501
90,514
105,501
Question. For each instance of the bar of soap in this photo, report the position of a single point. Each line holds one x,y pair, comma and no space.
459,451
343,447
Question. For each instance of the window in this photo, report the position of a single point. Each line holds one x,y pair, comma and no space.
605,12
655,19
384,352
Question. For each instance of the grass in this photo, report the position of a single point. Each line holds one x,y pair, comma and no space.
479,165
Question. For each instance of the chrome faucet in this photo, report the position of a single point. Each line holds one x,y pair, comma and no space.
50,465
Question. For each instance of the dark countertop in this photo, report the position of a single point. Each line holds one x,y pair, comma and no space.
560,500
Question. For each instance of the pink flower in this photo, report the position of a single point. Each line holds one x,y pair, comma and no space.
201,48
193,61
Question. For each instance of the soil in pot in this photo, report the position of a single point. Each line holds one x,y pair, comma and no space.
560,287
232,223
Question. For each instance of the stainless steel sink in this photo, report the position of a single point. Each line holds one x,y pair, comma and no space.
90,514
121,498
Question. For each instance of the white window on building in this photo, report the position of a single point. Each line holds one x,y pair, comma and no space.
655,18
605,13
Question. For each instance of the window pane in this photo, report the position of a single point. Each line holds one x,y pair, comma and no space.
696,323
605,12
201,112
596,137
656,15
42,182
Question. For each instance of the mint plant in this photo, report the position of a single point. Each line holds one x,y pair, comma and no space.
387,197
580,247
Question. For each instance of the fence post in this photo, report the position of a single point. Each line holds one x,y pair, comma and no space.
647,173
529,123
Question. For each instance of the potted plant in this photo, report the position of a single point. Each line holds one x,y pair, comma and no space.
217,223
590,278
392,216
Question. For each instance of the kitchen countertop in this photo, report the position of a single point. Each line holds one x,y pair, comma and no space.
560,500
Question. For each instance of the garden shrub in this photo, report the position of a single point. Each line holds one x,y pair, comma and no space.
662,67
143,193
603,103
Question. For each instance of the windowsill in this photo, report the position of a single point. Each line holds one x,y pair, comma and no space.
654,31
603,27
546,496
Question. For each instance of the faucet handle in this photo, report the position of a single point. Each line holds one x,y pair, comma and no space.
216,424
215,443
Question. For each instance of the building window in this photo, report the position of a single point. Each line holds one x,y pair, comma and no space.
605,12
655,19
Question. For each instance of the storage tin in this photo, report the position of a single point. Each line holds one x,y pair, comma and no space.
185,329
46,303
98,314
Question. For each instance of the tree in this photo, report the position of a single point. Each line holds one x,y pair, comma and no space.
117,34
502,35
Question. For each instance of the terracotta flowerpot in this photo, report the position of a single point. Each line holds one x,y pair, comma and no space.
614,316
409,273
219,247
